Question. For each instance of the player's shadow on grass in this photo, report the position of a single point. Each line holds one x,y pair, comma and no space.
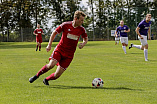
83,87
136,53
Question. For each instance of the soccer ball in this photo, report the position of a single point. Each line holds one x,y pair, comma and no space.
97,82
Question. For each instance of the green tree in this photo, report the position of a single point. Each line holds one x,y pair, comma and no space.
101,18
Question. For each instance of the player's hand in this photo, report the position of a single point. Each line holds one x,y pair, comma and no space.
36,34
80,45
141,37
48,48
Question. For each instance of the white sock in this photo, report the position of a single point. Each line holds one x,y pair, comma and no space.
137,46
124,49
146,54
117,42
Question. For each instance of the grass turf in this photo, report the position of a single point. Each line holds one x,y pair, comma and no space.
128,79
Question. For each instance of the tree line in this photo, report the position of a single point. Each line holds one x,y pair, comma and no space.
103,15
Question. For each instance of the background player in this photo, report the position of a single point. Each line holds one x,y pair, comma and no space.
38,32
123,29
117,37
64,51
142,30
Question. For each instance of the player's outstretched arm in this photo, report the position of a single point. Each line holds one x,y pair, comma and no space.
81,45
48,48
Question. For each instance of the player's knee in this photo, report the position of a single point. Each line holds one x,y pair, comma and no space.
146,46
142,48
57,75
50,66
59,72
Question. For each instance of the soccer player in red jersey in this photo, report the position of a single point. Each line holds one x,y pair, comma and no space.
38,32
64,51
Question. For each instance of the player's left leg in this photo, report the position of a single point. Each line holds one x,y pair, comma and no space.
124,41
146,52
62,66
124,47
39,46
145,47
40,41
53,76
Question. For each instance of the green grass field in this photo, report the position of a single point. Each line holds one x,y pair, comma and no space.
128,79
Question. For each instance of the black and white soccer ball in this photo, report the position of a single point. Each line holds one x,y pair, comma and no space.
97,82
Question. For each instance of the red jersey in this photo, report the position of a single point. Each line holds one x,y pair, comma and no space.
39,32
70,37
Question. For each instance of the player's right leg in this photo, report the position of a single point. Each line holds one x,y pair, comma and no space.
131,45
143,43
36,47
136,46
39,46
115,40
54,76
43,70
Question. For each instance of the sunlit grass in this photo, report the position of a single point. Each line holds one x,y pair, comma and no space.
128,79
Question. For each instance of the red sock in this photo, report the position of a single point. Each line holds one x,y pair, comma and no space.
51,77
42,70
39,47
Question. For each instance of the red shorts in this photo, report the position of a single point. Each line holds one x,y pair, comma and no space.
39,40
61,58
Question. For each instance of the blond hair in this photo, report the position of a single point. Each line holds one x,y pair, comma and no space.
148,15
121,20
78,14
